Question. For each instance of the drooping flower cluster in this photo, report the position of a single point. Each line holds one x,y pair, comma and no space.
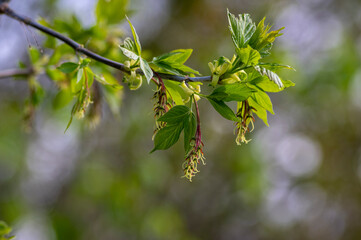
195,154
161,105
194,157
244,113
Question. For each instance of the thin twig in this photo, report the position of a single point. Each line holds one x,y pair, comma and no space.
4,9
16,73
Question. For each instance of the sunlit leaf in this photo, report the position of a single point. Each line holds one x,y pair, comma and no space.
148,73
68,67
223,109
242,29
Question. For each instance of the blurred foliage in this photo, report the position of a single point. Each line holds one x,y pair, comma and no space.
299,178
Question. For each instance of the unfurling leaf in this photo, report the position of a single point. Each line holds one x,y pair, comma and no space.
271,75
242,29
148,73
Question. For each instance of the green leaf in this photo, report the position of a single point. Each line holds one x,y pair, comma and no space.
173,62
232,92
190,127
288,83
262,99
275,66
262,39
176,115
63,98
68,67
110,11
242,29
167,136
34,55
223,109
248,56
37,92
179,56
271,76
136,38
175,91
4,229
80,76
258,110
84,62
148,73
129,49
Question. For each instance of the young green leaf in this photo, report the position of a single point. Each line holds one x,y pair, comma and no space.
175,91
248,56
176,115
173,62
242,29
129,49
262,39
223,109
4,231
148,73
258,110
190,127
262,99
68,67
136,38
167,136
232,92
80,75
275,66
271,75
34,55
263,83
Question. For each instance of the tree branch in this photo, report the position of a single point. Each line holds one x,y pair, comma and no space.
16,73
4,9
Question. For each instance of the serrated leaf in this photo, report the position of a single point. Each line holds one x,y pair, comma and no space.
68,67
262,39
262,99
148,73
258,110
232,92
271,75
190,127
179,56
242,29
223,109
248,56
167,136
176,115
173,62
136,38
175,91
111,11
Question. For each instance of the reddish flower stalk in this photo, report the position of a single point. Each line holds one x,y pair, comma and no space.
195,155
161,105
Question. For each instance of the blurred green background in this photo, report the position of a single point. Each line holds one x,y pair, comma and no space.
297,179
